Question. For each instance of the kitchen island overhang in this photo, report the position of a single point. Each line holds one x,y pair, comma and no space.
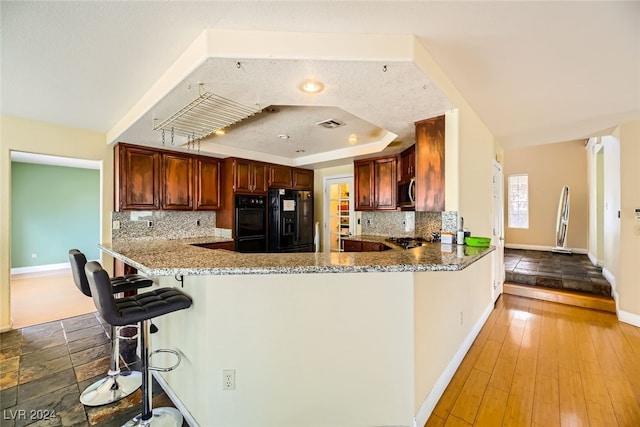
311,348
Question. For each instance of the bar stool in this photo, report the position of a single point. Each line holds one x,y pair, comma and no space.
117,384
139,308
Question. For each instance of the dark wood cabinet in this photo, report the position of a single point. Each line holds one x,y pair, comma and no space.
229,246
207,173
407,165
302,179
375,182
137,178
177,181
363,246
156,179
249,176
430,172
280,176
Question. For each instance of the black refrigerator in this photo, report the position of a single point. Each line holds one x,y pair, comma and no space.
290,223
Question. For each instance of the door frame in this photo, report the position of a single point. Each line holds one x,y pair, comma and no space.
498,230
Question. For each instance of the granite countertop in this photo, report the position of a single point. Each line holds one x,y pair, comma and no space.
181,257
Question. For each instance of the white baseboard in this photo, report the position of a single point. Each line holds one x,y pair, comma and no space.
630,318
595,261
429,403
176,401
580,251
40,268
623,316
7,328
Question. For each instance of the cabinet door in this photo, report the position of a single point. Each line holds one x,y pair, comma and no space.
280,176
385,183
430,175
260,174
352,246
207,183
177,180
303,179
407,164
137,178
363,183
243,181
374,247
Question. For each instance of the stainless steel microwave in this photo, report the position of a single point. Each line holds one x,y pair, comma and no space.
407,193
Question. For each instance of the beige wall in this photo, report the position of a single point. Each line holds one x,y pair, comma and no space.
550,167
41,138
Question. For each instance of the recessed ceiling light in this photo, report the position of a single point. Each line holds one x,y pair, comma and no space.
311,86
283,136
220,132
353,138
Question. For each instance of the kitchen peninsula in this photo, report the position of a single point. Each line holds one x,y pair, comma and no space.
314,339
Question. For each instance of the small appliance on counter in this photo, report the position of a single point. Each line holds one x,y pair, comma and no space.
407,242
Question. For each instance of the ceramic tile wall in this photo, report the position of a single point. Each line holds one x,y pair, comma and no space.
408,224
166,225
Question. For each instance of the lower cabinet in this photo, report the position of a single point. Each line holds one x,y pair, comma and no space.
229,246
362,246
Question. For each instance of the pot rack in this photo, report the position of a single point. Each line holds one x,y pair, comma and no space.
203,116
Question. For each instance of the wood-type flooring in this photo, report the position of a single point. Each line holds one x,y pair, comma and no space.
539,363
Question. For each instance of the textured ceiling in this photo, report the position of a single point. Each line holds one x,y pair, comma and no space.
535,72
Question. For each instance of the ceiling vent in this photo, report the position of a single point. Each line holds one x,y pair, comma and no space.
330,123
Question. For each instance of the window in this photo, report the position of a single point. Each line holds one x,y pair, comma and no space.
519,201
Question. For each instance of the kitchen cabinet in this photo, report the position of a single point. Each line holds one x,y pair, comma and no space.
229,246
177,181
207,173
375,182
302,179
249,176
363,246
280,176
156,179
136,178
407,166
430,173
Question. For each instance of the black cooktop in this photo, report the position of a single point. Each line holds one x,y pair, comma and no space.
407,242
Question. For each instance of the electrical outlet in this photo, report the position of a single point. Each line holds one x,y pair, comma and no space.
34,256
229,379
149,223
116,225
461,319
368,221
198,222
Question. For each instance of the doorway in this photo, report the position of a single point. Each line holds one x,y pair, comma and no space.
498,230
55,206
338,212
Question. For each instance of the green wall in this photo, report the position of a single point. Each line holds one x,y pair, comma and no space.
53,209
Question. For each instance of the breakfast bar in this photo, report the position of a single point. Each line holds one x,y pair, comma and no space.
314,339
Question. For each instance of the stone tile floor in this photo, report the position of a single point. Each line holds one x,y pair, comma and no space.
573,272
43,369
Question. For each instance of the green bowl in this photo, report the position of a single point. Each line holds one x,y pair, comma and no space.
478,242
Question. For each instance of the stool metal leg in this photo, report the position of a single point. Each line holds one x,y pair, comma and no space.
158,417
116,385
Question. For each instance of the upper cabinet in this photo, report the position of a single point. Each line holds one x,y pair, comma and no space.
375,182
207,181
430,177
280,176
155,179
137,178
407,165
177,179
287,177
302,179
248,176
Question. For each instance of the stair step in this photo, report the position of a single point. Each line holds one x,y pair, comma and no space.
595,302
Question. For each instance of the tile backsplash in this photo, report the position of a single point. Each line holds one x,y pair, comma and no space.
134,225
408,224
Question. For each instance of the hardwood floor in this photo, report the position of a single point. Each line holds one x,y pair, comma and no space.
44,297
540,363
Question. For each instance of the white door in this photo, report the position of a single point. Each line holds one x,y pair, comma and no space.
338,212
498,230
